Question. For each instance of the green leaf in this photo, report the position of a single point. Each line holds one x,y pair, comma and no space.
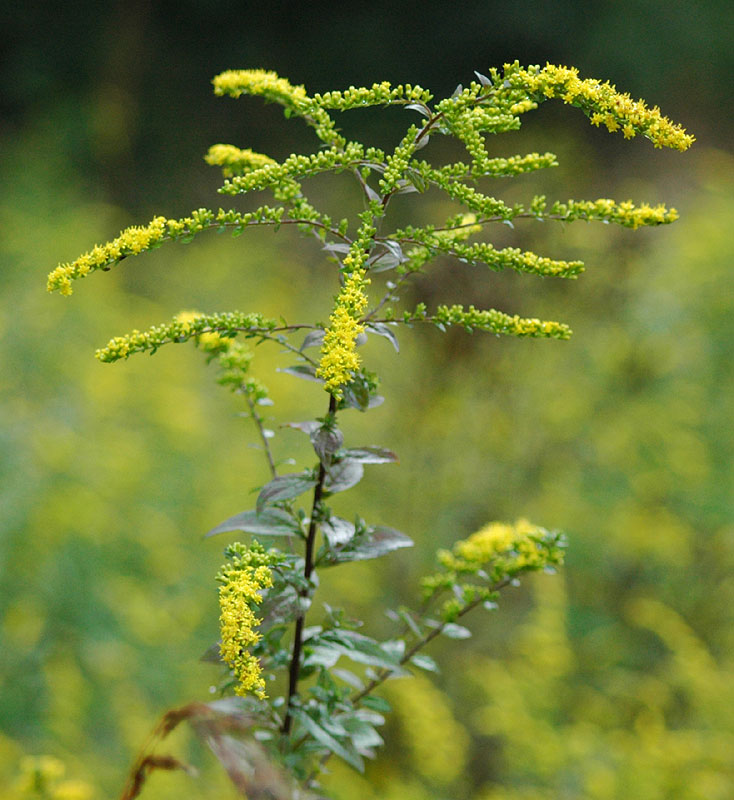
343,475
382,329
376,542
422,661
305,371
312,339
362,735
359,648
370,455
285,487
270,522
326,442
323,737
454,631
337,531
376,703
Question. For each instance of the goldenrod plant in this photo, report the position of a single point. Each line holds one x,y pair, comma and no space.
288,701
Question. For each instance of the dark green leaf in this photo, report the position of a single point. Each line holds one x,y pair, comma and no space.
285,487
270,522
327,740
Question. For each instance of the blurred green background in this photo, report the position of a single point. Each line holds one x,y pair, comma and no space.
614,679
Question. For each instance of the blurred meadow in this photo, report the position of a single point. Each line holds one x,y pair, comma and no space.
610,680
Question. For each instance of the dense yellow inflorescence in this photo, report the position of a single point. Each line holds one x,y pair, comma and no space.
339,358
234,160
605,105
497,538
239,592
236,82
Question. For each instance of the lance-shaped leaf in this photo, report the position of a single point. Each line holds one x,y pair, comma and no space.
381,329
358,647
270,522
375,542
305,371
323,737
370,455
285,487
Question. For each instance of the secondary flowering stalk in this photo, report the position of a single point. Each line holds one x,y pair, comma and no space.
242,583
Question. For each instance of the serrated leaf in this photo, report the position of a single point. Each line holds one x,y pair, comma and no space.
269,522
343,475
327,740
285,487
454,631
422,661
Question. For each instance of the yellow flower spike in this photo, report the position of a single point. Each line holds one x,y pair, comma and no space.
339,358
239,592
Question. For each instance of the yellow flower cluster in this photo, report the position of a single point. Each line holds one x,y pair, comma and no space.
139,239
235,161
603,103
477,567
339,358
210,340
131,241
239,592
499,538
498,322
625,213
212,331
236,82
377,94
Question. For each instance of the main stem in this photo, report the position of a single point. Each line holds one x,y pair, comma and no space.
295,666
